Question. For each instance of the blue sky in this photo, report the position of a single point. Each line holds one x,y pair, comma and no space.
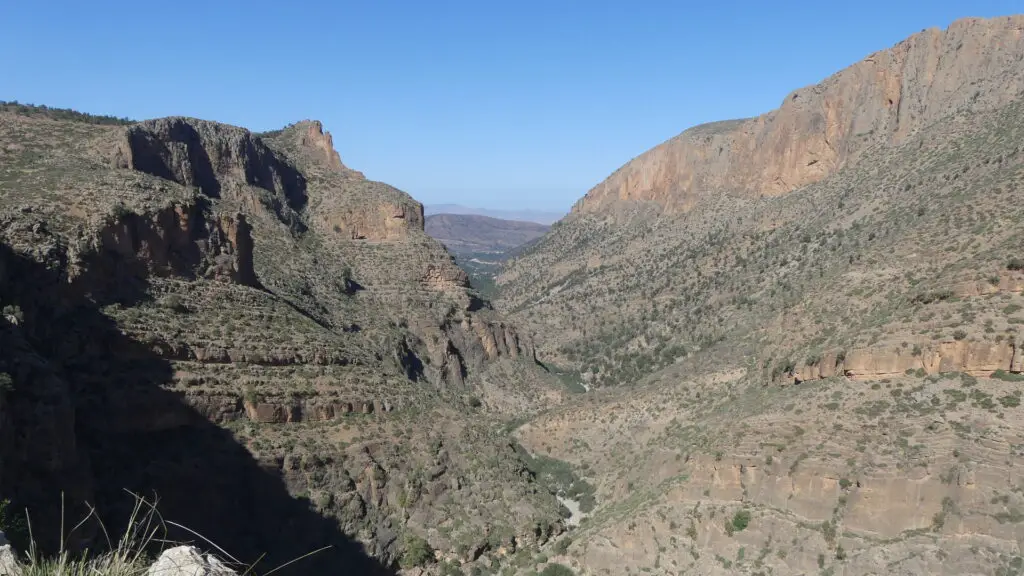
523,104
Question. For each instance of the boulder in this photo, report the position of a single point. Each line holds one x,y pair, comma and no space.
188,561
8,563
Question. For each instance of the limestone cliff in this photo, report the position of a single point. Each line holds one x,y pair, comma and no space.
975,358
207,155
180,241
177,292
975,64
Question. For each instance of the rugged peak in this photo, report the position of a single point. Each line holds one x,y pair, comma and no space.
975,64
312,135
310,145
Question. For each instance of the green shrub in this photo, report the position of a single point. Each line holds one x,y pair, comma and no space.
844,483
1015,264
959,335
739,522
828,530
932,296
12,524
562,546
1007,376
417,552
172,302
451,569
557,570
43,111
14,313
1010,401
119,212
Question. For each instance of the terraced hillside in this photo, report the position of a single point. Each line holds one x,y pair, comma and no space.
259,336
803,329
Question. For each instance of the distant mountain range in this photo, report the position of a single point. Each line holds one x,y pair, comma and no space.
538,216
481,243
469,233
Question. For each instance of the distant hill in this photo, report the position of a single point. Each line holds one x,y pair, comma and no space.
481,243
463,233
538,216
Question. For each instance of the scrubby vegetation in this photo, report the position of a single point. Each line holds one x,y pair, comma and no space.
417,552
60,114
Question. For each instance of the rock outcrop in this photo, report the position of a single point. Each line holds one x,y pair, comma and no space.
381,222
975,358
8,562
314,137
205,155
182,241
188,561
817,130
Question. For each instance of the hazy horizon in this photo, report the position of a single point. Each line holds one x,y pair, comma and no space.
546,217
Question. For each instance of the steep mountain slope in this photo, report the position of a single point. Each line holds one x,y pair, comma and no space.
619,257
260,336
806,327
466,233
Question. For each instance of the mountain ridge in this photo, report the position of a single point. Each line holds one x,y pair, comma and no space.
467,233
822,127
537,216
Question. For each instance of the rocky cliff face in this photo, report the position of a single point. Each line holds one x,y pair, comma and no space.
876,363
180,241
228,320
382,222
315,138
206,155
975,64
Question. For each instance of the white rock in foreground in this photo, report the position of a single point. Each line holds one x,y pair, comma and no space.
188,561
8,564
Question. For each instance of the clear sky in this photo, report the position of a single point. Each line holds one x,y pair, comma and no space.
516,104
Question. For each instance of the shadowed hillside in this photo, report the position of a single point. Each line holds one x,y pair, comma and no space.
260,337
